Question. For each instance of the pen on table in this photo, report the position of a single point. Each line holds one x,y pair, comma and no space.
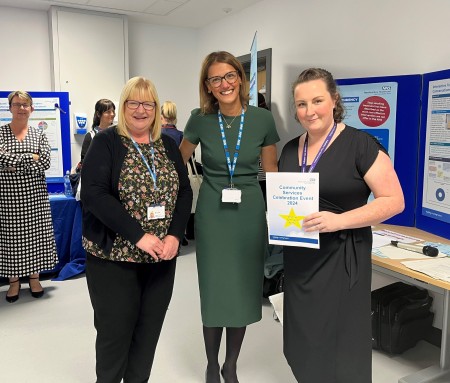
429,251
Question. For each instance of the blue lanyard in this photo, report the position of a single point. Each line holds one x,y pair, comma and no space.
231,166
319,153
152,173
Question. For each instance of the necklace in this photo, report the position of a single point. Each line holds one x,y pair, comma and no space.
228,125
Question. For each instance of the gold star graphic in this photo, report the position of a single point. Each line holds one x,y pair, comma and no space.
292,219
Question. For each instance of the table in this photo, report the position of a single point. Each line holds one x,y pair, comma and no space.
66,217
395,269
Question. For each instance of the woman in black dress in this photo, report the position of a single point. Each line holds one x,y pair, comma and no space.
327,327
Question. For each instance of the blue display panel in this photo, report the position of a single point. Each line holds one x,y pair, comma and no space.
389,108
433,188
51,114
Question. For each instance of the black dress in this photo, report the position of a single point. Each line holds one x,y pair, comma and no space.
327,324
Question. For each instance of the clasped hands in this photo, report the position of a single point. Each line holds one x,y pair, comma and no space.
165,249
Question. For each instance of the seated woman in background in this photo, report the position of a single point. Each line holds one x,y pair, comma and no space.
169,120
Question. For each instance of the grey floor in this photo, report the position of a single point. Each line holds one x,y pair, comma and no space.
51,340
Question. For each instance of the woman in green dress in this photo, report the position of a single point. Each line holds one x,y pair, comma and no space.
230,223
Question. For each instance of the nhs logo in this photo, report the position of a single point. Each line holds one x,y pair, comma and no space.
81,121
386,87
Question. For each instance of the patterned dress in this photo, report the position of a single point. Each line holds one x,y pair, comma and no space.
27,243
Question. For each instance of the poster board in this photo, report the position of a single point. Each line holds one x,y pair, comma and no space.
51,114
433,189
389,108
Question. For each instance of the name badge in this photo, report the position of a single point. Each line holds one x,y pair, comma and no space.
156,212
231,195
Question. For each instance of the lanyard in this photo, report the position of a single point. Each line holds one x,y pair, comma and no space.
319,153
152,173
231,166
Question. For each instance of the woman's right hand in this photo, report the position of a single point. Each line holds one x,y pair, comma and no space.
151,244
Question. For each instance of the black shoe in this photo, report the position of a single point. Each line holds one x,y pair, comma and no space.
36,294
13,298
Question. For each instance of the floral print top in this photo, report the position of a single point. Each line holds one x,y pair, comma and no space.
137,193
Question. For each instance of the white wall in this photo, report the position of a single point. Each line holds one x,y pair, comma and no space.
25,52
168,57
350,38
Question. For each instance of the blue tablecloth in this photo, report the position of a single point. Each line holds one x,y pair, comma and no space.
66,216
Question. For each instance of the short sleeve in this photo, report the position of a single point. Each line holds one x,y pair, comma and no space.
191,130
272,136
368,148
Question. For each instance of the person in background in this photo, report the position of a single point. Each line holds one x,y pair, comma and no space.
169,121
27,244
136,202
169,128
104,114
327,313
230,236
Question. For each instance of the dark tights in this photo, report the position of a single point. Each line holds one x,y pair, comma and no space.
234,338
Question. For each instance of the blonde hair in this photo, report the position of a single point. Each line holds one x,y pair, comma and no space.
169,111
142,88
21,94
208,103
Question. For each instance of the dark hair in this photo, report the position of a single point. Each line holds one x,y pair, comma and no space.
208,103
101,106
262,101
322,74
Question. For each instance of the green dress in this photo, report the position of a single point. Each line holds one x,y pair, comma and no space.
231,238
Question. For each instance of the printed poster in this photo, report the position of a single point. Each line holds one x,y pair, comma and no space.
290,198
436,177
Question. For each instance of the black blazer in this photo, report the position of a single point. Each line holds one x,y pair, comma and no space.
103,214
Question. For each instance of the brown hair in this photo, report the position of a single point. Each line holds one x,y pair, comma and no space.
21,94
322,74
208,103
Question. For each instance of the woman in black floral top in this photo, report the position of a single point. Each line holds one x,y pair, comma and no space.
136,203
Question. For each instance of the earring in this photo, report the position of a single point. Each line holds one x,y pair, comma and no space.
209,91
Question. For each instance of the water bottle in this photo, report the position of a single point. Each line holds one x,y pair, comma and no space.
67,185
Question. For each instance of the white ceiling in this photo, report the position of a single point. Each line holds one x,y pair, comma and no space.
181,13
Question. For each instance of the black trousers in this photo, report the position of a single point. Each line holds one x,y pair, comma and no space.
130,301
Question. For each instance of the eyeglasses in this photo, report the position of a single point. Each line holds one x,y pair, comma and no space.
135,104
230,78
18,105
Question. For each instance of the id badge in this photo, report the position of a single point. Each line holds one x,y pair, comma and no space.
156,212
231,195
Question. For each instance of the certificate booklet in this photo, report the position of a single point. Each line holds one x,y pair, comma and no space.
291,197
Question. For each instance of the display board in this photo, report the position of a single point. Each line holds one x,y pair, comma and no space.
389,109
51,114
433,189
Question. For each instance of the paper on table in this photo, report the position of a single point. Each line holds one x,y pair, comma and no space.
435,268
384,237
393,252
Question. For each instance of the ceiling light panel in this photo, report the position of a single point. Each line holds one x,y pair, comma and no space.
163,7
128,5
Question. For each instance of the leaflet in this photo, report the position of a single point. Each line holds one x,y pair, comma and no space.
290,198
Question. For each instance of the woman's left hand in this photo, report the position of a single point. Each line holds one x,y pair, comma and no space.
323,222
170,249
